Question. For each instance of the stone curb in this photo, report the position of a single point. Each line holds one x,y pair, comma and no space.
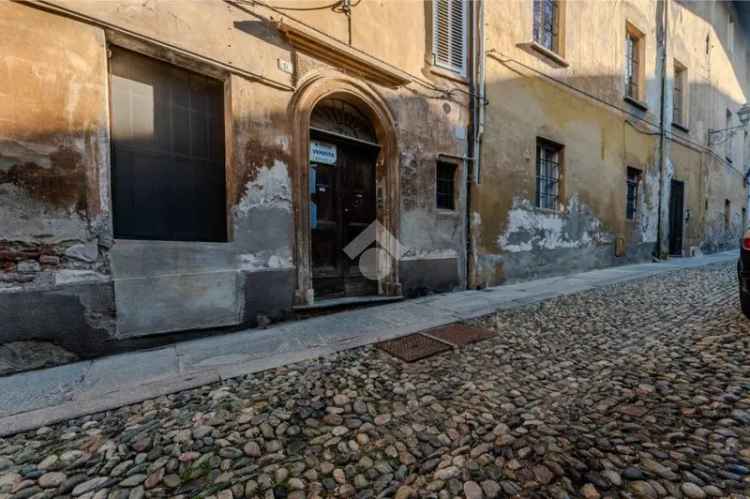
94,401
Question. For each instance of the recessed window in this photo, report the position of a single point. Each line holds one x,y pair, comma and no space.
633,180
449,34
548,166
633,66
678,94
168,180
727,214
730,36
445,186
547,24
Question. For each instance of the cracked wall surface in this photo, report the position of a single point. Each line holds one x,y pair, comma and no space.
56,228
578,102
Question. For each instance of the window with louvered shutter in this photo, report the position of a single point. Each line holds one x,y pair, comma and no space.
449,34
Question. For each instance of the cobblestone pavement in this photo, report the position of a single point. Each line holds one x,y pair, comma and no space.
638,390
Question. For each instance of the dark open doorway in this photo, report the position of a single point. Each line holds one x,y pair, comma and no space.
676,217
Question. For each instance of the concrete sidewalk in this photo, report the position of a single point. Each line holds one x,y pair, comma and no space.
37,398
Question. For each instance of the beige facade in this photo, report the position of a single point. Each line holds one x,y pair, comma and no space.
58,158
575,96
171,165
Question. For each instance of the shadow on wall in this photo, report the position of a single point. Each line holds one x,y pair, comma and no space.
520,241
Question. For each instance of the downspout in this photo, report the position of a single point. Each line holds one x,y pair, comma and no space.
475,142
661,250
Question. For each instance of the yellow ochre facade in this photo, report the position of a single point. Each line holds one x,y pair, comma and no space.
174,165
573,93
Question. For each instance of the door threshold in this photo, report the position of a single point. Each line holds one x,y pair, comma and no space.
346,301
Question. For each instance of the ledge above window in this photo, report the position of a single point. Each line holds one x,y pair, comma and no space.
637,103
549,54
680,127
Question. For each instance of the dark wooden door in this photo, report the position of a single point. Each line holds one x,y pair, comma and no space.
342,205
676,217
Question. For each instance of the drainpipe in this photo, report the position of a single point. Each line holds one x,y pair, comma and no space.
475,140
662,248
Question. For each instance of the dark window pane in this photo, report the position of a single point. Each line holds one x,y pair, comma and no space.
545,23
631,66
167,181
445,185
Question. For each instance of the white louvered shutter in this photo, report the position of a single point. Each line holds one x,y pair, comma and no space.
449,34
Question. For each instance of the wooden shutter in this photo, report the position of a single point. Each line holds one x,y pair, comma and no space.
449,34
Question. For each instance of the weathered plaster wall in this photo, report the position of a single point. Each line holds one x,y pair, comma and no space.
716,81
516,239
428,127
530,97
53,135
725,183
688,166
54,164
54,215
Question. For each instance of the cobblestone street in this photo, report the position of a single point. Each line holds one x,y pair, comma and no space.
636,390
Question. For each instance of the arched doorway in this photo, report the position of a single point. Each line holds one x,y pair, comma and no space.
343,154
345,177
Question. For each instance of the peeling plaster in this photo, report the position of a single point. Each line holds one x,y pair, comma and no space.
532,229
79,276
436,254
270,189
265,260
648,207
13,152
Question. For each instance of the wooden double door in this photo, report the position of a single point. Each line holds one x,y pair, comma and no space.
343,204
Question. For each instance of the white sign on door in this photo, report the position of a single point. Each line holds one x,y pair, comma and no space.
321,152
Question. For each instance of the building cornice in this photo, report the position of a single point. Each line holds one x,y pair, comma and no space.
340,55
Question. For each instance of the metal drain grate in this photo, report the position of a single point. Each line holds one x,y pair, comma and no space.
459,335
413,347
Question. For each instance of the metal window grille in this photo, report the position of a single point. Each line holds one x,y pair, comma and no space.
677,97
632,64
546,20
548,175
449,35
445,188
633,181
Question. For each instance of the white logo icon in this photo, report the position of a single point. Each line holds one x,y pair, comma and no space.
375,263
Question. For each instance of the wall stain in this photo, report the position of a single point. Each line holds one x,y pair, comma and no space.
62,185
256,156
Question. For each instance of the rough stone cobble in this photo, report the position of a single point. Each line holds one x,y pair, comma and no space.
632,391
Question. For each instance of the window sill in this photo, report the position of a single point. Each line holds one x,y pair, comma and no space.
637,103
549,54
680,127
447,73
446,212
551,211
